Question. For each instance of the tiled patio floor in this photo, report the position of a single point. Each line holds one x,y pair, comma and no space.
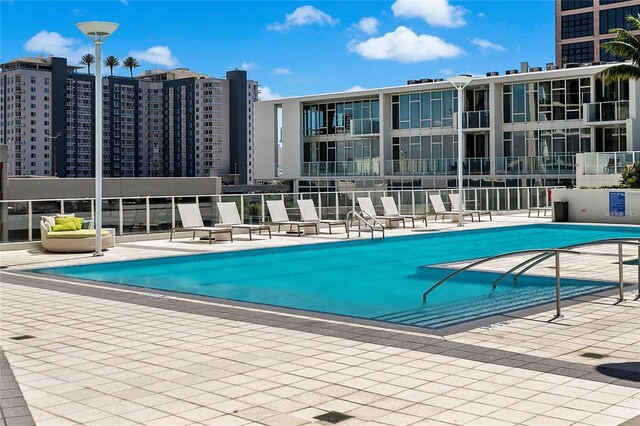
125,356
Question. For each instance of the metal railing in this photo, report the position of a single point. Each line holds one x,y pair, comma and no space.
341,168
476,119
372,227
607,111
544,254
540,164
440,166
530,263
147,215
606,163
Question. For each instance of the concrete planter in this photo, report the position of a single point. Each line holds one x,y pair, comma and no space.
620,206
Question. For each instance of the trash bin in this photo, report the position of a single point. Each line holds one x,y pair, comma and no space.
560,211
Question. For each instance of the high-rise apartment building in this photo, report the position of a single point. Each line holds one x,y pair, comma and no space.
160,123
582,26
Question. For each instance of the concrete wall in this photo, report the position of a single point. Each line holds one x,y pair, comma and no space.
593,181
53,188
592,205
265,140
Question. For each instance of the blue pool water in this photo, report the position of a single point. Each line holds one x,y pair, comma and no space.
373,279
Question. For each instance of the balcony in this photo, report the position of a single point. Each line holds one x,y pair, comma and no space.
607,112
607,163
341,168
475,119
441,166
365,126
536,165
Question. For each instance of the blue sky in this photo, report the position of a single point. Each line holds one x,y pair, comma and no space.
295,47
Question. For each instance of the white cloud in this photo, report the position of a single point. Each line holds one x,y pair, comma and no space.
247,66
438,13
446,71
481,15
266,94
368,25
403,45
485,44
355,89
304,15
282,71
54,43
160,55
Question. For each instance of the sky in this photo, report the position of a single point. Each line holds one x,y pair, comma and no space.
294,48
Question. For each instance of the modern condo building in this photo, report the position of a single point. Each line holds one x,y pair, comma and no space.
520,129
582,26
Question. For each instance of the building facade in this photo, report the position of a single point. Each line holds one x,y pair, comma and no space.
159,124
520,129
582,26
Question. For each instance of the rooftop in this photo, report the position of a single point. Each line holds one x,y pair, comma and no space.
84,352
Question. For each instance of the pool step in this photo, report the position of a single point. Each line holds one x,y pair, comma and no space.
495,303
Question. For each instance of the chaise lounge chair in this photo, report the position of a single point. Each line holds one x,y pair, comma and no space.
454,206
229,216
439,209
279,216
309,214
192,221
366,205
391,210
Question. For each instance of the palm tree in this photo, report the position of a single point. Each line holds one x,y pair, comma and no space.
87,60
626,46
111,61
131,63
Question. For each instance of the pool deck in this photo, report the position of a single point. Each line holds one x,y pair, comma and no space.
119,355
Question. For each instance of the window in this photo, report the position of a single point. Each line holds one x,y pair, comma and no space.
575,4
617,18
577,52
33,80
578,25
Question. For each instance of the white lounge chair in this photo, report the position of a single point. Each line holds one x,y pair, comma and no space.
309,214
366,205
439,209
455,206
192,221
279,216
390,209
229,216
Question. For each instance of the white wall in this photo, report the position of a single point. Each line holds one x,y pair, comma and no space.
265,142
592,205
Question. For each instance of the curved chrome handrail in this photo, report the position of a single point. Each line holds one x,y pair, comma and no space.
487,259
542,257
360,218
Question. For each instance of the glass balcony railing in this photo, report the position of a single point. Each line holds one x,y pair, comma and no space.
475,119
341,168
541,164
607,163
443,166
146,215
365,126
607,111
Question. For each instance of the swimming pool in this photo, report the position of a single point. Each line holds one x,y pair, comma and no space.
371,279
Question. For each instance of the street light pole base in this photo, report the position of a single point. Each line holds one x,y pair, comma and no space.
96,254
460,225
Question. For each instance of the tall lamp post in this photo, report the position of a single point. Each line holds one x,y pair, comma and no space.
460,82
98,32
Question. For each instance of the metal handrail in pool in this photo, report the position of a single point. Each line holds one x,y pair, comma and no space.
372,228
513,253
544,256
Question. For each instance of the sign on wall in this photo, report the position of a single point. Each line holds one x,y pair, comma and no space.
616,204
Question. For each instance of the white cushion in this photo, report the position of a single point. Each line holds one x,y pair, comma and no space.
46,225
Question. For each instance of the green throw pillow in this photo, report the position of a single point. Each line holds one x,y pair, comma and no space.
78,222
64,226
65,219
